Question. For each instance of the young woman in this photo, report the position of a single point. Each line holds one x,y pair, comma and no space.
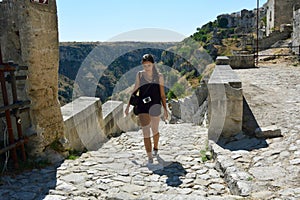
152,95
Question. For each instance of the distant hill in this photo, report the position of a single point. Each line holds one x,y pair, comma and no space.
100,68
96,68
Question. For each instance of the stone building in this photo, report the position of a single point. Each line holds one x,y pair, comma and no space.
29,36
245,20
279,12
296,29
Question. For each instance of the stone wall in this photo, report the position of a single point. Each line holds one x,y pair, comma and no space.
112,114
242,61
191,109
274,37
88,124
279,12
83,124
296,29
29,36
245,19
225,103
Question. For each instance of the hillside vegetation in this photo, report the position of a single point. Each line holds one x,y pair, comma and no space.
107,70
96,69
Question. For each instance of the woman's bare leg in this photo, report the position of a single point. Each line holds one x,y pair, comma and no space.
145,123
154,127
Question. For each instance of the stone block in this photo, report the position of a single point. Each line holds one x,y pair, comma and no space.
225,107
83,123
112,115
268,132
222,60
242,61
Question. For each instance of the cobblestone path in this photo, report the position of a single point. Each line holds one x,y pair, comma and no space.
118,170
273,93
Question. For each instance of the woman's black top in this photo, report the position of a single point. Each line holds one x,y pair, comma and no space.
150,99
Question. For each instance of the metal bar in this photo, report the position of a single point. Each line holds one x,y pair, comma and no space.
8,119
18,78
15,105
13,113
14,145
11,67
17,114
7,115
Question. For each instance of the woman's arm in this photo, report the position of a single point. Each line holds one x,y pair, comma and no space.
163,95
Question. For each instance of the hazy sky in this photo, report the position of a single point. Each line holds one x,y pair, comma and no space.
103,20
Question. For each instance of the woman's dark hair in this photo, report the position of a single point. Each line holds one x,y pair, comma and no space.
149,57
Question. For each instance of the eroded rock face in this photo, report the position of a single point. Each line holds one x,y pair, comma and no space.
30,37
191,109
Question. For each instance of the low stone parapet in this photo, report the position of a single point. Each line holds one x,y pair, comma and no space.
112,116
242,61
88,124
83,123
225,104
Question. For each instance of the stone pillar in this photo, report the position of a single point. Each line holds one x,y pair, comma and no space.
225,104
31,38
296,30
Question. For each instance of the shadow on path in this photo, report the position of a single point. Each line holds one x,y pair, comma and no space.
173,170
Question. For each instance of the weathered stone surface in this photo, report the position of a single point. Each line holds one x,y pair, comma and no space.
132,188
192,108
225,103
29,36
295,161
263,195
268,132
296,29
112,114
93,175
222,60
242,61
84,124
267,173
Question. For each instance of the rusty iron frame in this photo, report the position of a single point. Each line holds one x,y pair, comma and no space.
7,74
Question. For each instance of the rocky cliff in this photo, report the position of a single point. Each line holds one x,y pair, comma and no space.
96,68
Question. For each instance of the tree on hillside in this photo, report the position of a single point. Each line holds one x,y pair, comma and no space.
223,22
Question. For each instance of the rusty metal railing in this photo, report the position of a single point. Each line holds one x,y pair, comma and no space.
7,74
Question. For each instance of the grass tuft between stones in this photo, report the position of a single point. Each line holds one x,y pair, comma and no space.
74,154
